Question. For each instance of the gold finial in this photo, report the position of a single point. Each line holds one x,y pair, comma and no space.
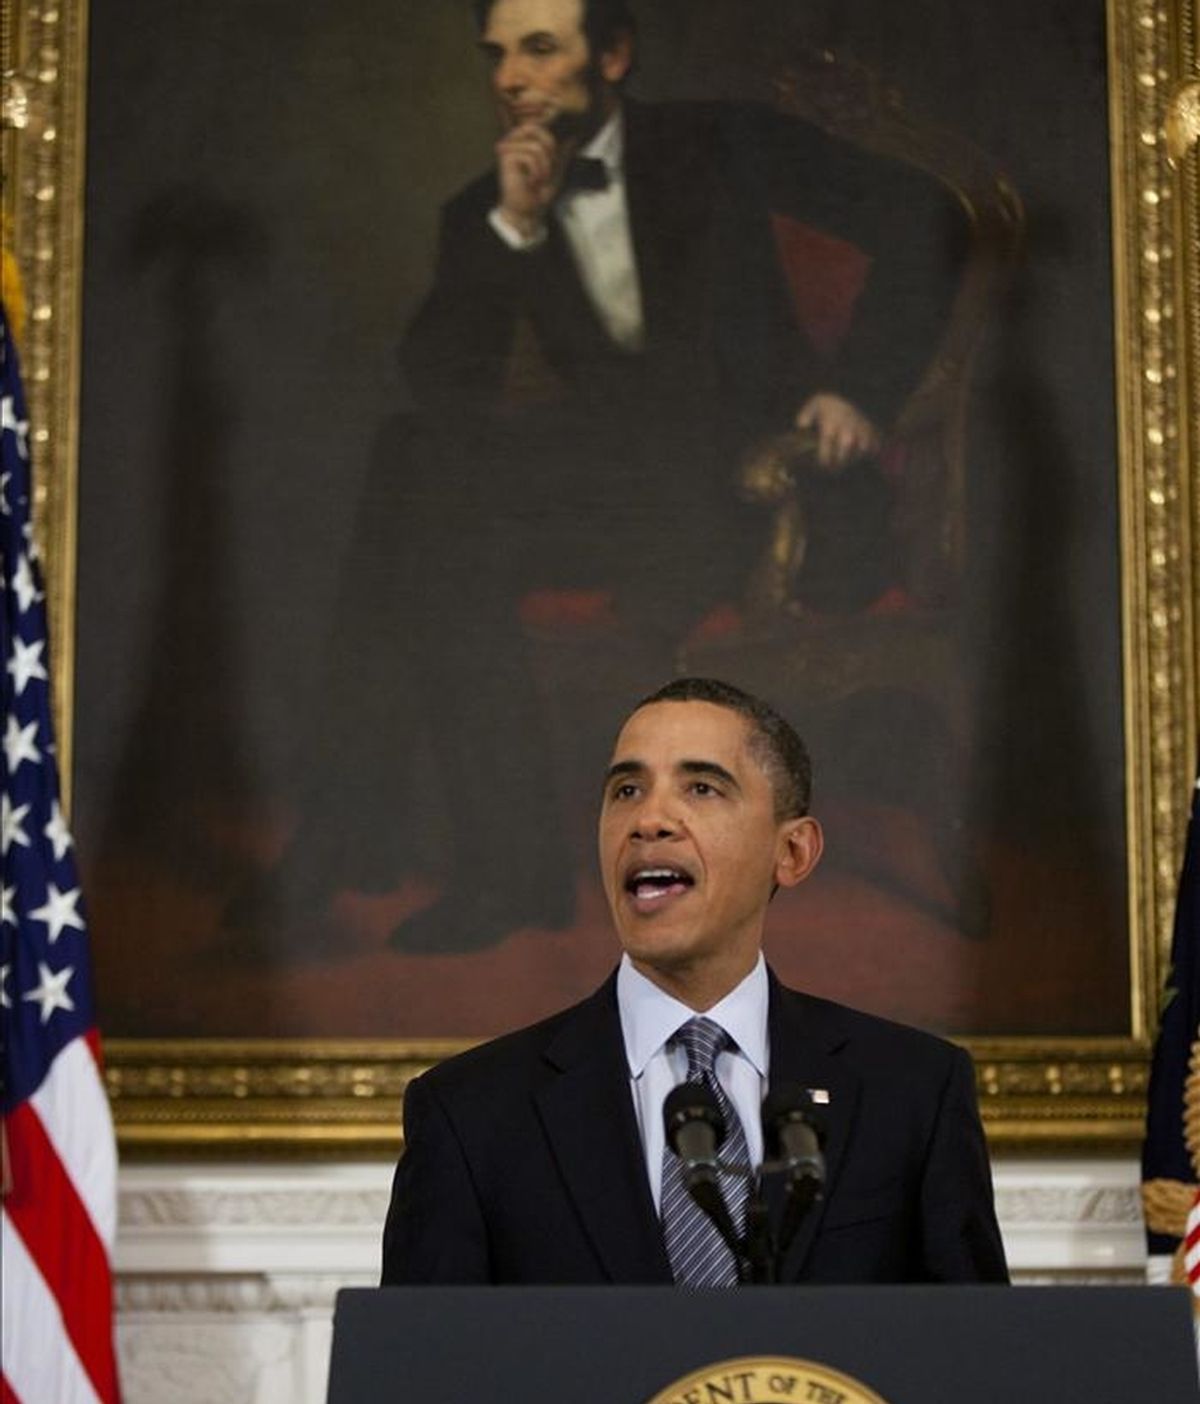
11,293
1182,122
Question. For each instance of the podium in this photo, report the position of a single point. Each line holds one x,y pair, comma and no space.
857,1345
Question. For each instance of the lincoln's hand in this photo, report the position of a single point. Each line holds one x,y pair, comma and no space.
530,164
843,432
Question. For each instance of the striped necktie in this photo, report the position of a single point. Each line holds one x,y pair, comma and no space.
698,1254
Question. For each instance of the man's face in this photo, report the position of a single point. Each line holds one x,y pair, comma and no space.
690,847
542,68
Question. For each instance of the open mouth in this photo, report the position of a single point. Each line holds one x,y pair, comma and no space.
655,884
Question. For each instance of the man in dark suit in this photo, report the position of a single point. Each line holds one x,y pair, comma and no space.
608,333
540,1158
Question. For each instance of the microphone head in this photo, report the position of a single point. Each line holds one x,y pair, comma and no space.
687,1104
784,1104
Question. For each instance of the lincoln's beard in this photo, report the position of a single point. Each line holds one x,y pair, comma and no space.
576,129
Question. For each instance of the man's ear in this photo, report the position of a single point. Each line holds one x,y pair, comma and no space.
801,843
617,59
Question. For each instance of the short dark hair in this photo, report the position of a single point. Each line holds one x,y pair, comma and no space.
774,742
604,21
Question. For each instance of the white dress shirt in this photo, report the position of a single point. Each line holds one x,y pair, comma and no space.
650,1017
596,226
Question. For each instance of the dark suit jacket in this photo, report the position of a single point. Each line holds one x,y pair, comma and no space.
724,354
524,1164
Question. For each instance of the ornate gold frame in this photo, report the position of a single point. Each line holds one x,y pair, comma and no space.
303,1096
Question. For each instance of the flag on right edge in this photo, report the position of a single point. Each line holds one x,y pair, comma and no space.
1171,1153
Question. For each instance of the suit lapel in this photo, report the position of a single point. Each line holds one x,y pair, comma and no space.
805,1040
587,1112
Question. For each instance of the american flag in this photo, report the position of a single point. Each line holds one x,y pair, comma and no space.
1171,1152
58,1210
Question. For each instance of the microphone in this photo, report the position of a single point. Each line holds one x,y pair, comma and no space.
792,1134
694,1128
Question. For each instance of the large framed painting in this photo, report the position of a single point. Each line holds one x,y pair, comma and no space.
855,364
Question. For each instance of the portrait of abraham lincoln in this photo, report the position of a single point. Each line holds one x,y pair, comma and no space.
483,366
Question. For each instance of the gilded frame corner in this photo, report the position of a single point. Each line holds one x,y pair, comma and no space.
342,1097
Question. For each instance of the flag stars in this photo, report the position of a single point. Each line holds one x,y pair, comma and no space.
52,994
10,825
5,1002
26,665
18,427
20,744
27,592
58,833
59,911
8,913
5,509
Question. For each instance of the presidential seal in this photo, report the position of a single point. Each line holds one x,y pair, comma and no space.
767,1379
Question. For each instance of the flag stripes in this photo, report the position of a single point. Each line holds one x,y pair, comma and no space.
57,1230
59,1203
70,1103
40,1364
1191,1244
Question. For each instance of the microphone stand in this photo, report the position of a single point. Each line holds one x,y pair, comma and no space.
759,1252
761,1258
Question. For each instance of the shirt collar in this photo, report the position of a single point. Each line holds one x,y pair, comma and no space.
649,1016
608,145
